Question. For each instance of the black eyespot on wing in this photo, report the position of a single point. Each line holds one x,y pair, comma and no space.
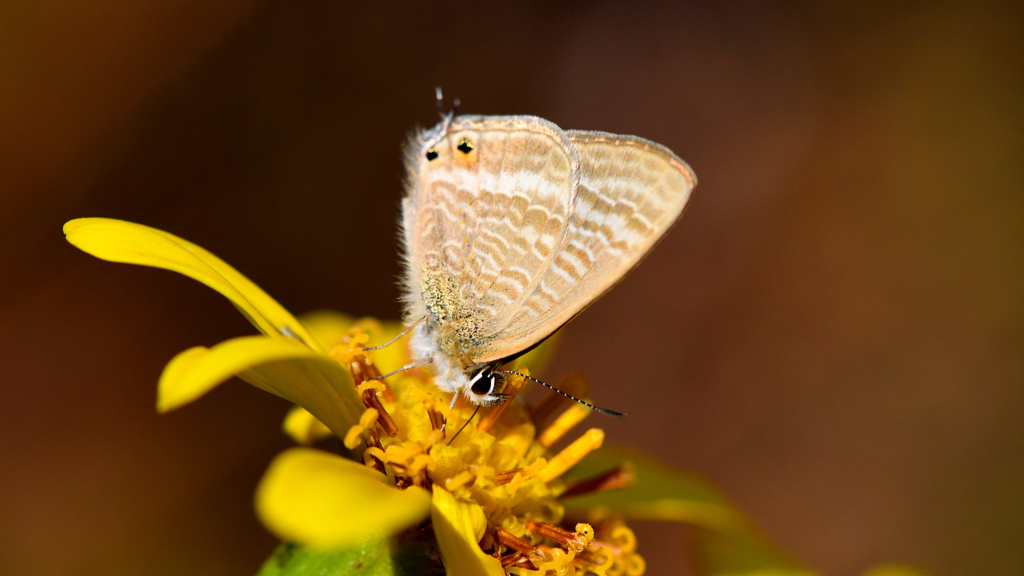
431,155
483,385
465,146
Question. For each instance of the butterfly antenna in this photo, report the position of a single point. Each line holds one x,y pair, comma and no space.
392,341
598,409
446,117
439,98
464,425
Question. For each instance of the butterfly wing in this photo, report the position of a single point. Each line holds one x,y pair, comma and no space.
489,201
631,191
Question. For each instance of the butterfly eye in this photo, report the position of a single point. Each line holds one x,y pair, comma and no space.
431,154
465,146
484,384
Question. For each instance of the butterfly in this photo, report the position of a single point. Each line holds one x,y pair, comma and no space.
512,226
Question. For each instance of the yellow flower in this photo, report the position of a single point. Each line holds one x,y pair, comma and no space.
488,492
495,487
490,489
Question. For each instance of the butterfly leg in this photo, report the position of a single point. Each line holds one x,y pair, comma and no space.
408,366
392,341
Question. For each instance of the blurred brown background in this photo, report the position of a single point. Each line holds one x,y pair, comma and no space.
833,333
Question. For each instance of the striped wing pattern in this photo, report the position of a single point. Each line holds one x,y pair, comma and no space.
631,191
489,210
508,241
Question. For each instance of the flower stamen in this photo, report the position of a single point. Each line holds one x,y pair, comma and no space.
356,432
572,541
572,454
506,476
350,353
368,394
525,555
436,418
459,480
562,425
513,542
621,537
372,461
517,560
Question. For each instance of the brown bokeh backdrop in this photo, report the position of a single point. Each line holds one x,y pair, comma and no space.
833,333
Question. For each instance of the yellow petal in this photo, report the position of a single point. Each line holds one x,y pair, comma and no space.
281,366
327,326
303,427
322,500
459,526
120,241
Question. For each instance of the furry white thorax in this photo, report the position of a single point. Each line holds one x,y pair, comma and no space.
449,375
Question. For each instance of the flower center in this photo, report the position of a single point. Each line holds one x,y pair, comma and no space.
501,464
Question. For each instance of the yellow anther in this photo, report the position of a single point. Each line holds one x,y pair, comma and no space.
369,418
375,385
635,565
459,480
623,537
375,452
586,531
353,437
355,434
